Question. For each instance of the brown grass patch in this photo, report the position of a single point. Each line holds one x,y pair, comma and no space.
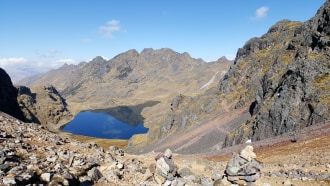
103,142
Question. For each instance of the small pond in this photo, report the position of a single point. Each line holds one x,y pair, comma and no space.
102,124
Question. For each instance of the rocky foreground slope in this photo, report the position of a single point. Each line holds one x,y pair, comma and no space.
29,154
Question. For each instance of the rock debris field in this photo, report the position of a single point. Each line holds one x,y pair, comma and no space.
31,155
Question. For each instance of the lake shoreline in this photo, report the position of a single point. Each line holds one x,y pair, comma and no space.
103,142
103,124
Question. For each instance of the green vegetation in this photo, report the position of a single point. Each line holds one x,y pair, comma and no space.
138,139
241,133
293,25
323,83
105,143
317,56
285,58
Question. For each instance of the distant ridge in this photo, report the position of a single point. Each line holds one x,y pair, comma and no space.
131,77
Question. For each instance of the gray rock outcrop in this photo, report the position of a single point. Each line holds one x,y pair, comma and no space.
292,89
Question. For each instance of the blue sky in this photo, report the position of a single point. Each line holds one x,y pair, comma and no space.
39,35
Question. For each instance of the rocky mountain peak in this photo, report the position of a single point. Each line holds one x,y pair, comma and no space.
280,26
294,80
223,59
98,59
320,22
132,53
150,51
166,54
136,76
147,51
317,29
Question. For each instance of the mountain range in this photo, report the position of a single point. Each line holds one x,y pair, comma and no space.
274,95
131,78
277,85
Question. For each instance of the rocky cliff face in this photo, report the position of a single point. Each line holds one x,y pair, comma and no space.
8,96
291,83
43,105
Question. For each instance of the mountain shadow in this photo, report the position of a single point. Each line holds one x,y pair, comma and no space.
131,115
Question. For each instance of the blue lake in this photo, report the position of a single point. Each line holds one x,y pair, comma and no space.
102,125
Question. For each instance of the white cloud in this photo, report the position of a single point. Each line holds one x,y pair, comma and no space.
7,62
261,12
19,68
109,28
